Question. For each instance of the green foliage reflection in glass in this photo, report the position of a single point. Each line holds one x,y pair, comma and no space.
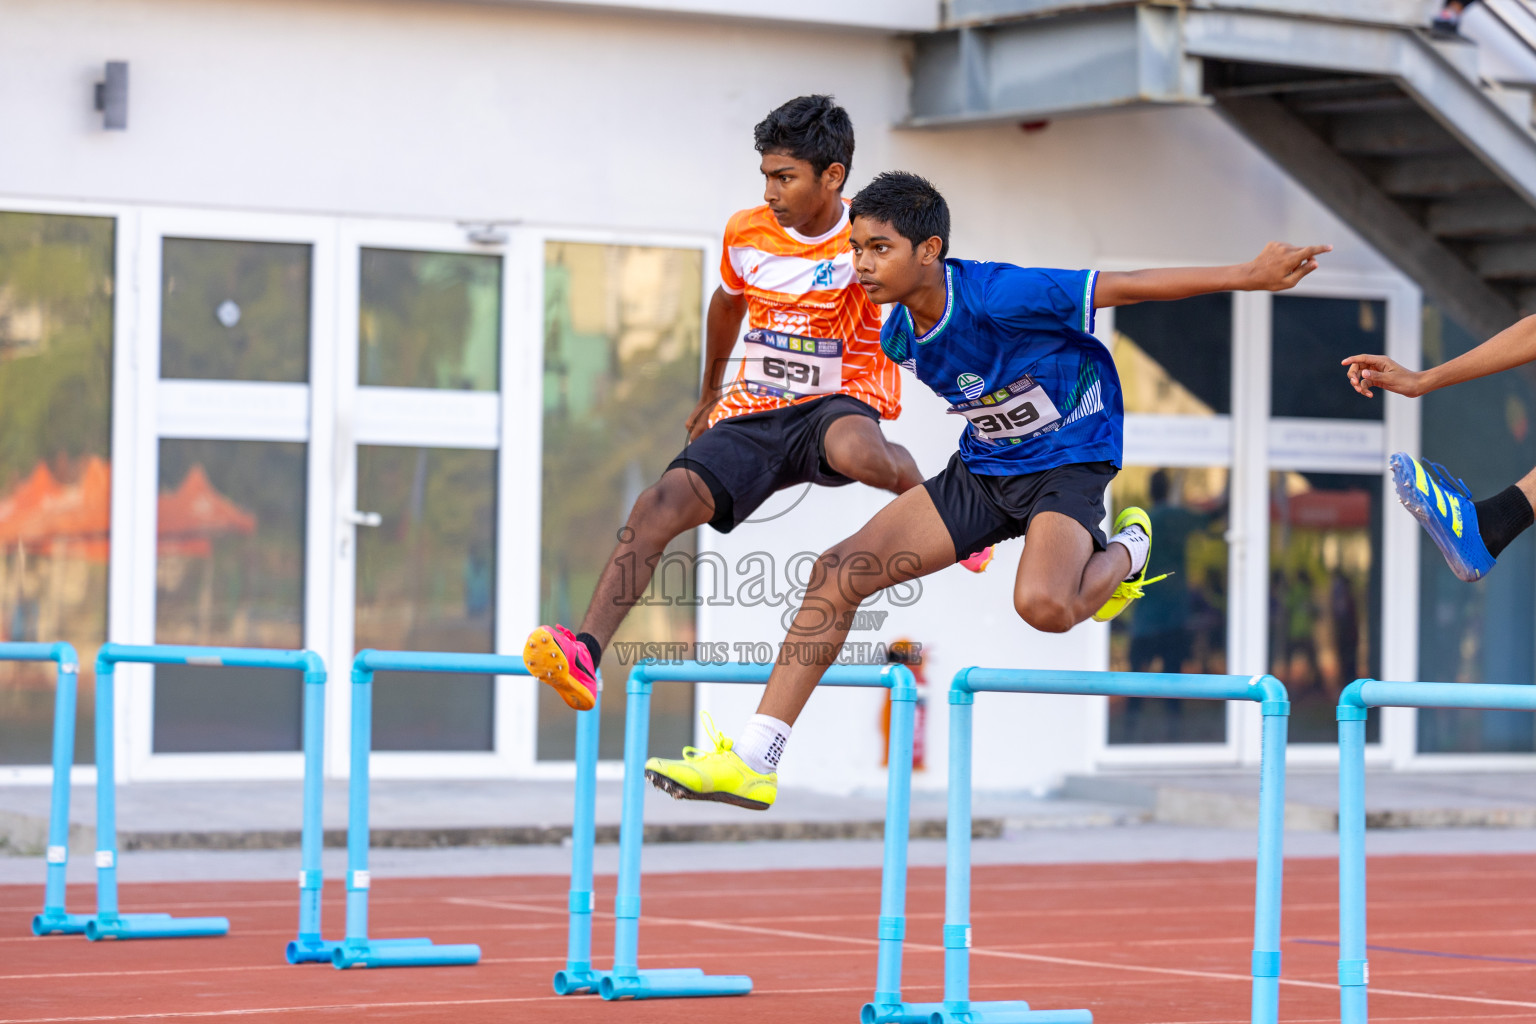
429,320
56,287
622,327
234,310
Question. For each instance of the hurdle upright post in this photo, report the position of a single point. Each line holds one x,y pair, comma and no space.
1354,970
55,920
578,976
1270,869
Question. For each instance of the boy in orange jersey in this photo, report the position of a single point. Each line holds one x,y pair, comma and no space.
806,401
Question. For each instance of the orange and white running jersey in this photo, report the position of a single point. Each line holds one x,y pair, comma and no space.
805,286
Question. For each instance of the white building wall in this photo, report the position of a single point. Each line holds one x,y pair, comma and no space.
638,122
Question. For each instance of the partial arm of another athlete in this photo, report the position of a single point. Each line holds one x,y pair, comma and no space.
1514,346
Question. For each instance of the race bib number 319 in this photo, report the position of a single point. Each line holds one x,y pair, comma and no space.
789,365
1013,414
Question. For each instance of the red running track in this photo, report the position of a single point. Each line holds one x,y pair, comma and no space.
1135,943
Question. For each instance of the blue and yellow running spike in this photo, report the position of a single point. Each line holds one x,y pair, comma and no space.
1443,506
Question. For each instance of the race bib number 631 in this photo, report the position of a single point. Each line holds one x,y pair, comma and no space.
789,365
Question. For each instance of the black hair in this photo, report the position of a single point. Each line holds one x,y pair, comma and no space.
908,203
809,128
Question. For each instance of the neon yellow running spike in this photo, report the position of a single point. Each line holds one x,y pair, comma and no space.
1129,590
718,774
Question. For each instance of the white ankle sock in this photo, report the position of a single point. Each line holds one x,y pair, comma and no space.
761,743
1135,540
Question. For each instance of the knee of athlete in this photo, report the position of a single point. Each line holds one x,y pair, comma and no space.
1042,610
660,512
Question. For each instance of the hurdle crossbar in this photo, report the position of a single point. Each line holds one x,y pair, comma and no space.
1354,705
107,922
626,980
957,1007
358,950
55,920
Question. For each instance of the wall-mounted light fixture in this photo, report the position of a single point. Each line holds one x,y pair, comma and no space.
487,232
112,96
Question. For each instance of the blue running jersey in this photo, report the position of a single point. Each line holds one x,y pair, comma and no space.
1014,356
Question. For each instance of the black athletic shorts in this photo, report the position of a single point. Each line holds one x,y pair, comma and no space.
980,510
744,459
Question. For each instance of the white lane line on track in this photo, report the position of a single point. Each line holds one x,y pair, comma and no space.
1031,957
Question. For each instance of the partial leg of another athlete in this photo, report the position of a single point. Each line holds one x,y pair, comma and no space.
678,502
904,541
857,448
1470,534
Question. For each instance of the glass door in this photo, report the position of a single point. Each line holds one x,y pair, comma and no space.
427,494
231,470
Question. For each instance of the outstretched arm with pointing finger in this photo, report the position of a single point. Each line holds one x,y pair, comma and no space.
1514,346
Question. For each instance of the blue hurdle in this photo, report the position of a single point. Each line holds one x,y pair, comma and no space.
358,950
626,980
107,922
1354,703
957,1007
55,920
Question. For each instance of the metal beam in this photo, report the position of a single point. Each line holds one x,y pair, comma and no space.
1394,134
1454,174
1342,188
1484,217
1103,59
1506,261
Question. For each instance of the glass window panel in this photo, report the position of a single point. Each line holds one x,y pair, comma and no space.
1310,337
234,310
622,327
229,571
1181,623
1176,357
429,320
1324,593
1478,632
56,287
426,581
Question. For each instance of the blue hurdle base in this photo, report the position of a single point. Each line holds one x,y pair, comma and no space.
675,983
152,926
61,923
920,1013
1011,1011
402,953
310,949
577,979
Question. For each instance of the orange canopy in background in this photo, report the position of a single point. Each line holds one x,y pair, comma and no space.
50,516
1324,510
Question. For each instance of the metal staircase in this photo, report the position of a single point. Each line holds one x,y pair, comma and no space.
1425,147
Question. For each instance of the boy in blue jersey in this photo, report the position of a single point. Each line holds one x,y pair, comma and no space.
1011,350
